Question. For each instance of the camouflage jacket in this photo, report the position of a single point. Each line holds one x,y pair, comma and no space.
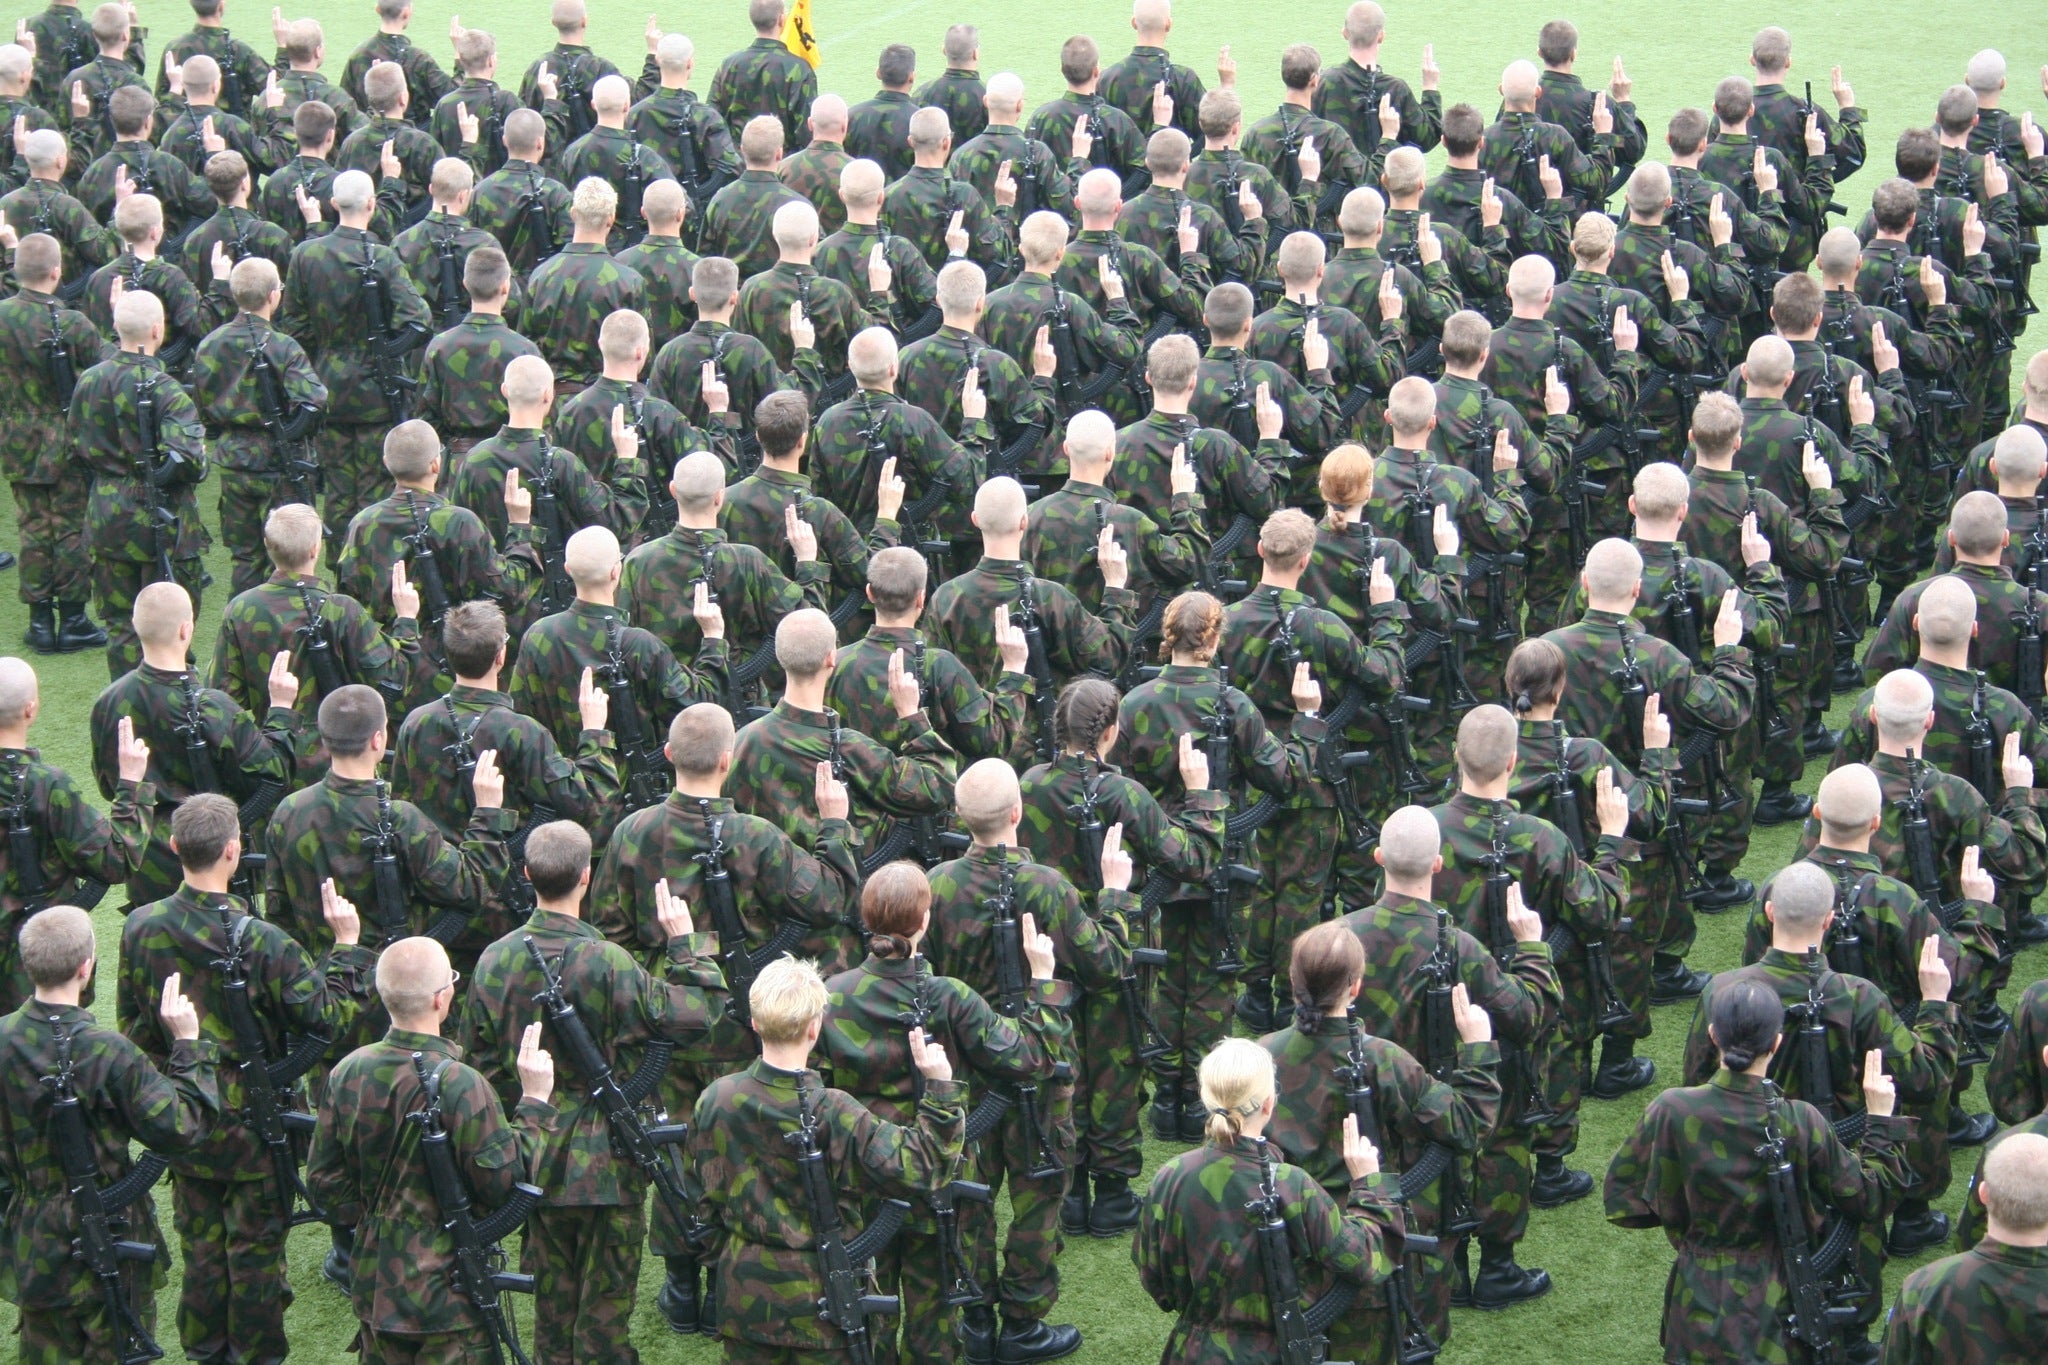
554,651
467,561
583,425
2003,608
365,1167
189,312
526,209
738,221
64,41
1511,146
1363,365
330,830
1119,143
1184,699
243,70
622,1006
671,121
852,439
1774,438
416,150
478,483
74,841
1152,220
1957,707
123,1099
738,1154
1128,86
323,309
1979,1306
1583,896
1349,94
1166,299
1807,544
34,438
1232,480
1022,407
1090,944
1270,631
752,515
1065,797
425,81
836,312
961,617
664,265
1045,176
1595,648
569,296
259,139
1275,142
1063,529
1228,378
657,588
960,92
2016,1084
107,427
765,77
774,880
975,723
230,393
914,289
463,373
438,742
905,771
879,129
243,234
43,206
1400,937
921,204
1195,1259
1692,1167
490,104
434,251
749,372
179,191
291,995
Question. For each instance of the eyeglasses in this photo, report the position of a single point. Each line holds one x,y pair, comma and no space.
454,977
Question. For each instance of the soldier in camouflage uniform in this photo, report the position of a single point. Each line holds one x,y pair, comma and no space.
64,40
753,1185
163,704
814,171
688,133
520,203
1065,528
299,195
958,89
1477,261
1761,225
366,1167
1267,639
189,313
1114,142
929,205
1411,943
1609,653
415,524
16,76
1357,94
1071,805
438,744
1582,897
1807,540
228,1200
1234,247
289,614
393,148
1191,1251
301,52
1293,141
478,97
934,373
80,97
663,263
611,153
80,850
202,129
574,291
46,346
738,221
426,83
1045,177
1779,120
248,409
41,205
1562,98
323,309
765,78
123,1098
1152,88
976,723
150,171
1710,1199
233,224
1462,194
332,831
1091,950
1362,364
776,883
772,302
863,255
1986,1302
1416,1113
878,129
132,546
905,772
462,374
438,246
1170,300
1860,1024
570,67
869,1010
733,361
1514,149
1220,171
1757,173
583,1247
1231,376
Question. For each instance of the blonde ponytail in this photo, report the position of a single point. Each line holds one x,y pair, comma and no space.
1237,1078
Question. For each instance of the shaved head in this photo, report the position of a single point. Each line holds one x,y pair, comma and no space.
804,641
1947,612
409,974
1091,435
1530,278
1487,741
1614,570
1802,895
17,690
1903,700
999,505
1769,363
2021,454
2015,1186
591,555
987,796
1409,843
1848,800
1520,82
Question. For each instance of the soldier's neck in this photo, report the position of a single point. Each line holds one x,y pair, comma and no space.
596,597
786,1056
792,464
1405,202
487,683
1833,840
590,236
1689,161
1657,533
1171,404
1796,945
1421,889
723,319
907,621
58,997
1945,656
1005,837
1496,790
1751,389
210,881
807,694
360,767
622,372
2018,493
1300,99
570,908
1808,335
1995,1231
1540,710
867,217
423,486
1286,582
1458,372
1002,547
169,659
1724,464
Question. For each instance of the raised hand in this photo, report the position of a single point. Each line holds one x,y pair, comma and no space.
1474,1024
1039,950
536,1067
180,1019
131,755
830,794
1117,868
340,914
1194,763
486,783
593,703
1525,924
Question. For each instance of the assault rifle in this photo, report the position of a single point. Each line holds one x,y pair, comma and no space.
2027,657
648,774
738,963
60,367
1038,665
316,645
451,300
1571,819
25,854
1983,745
1360,1079
1845,937
1440,1059
291,438
1298,1327
203,773
478,1273
1916,837
269,1098
536,224
956,1279
1076,390
1811,1318
556,591
1502,943
387,347
515,891
1241,419
424,566
631,222
843,1262
154,470
1013,985
1681,616
1146,1041
618,1101
98,1208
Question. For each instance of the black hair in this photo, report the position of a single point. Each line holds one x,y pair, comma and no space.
1747,1019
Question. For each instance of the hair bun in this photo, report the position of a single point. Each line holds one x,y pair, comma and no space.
1524,702
1737,1058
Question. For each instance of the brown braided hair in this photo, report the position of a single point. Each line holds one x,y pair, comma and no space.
1325,963
1086,708
893,905
1192,624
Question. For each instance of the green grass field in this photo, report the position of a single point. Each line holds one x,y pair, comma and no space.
1899,58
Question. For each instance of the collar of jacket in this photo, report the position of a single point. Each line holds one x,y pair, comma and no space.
546,921
433,1044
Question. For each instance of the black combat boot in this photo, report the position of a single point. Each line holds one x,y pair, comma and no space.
1723,891
1621,1071
1501,1283
1194,1117
75,630
1970,1130
1780,805
978,1334
340,1256
1558,1184
1074,1208
1816,740
1915,1227
42,627
1255,1006
678,1297
1672,981
1166,1112
1026,1341
1115,1210
707,1303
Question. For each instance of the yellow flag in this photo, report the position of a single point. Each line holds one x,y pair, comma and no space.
798,35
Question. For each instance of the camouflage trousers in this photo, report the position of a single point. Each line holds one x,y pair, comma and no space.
1296,853
679,1090
115,585
1501,1172
1812,637
83,1331
1726,841
231,1244
1195,1001
909,1268
1567,1072
585,1261
352,467
747,1353
1029,1285
443,1348
1369,1333
52,524
1109,1086
1928,1168
246,499
1652,886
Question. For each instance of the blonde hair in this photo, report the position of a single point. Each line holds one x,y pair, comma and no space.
787,998
1345,481
1237,1079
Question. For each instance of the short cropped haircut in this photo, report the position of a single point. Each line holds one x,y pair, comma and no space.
202,827
788,997
557,856
471,635
349,717
55,943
